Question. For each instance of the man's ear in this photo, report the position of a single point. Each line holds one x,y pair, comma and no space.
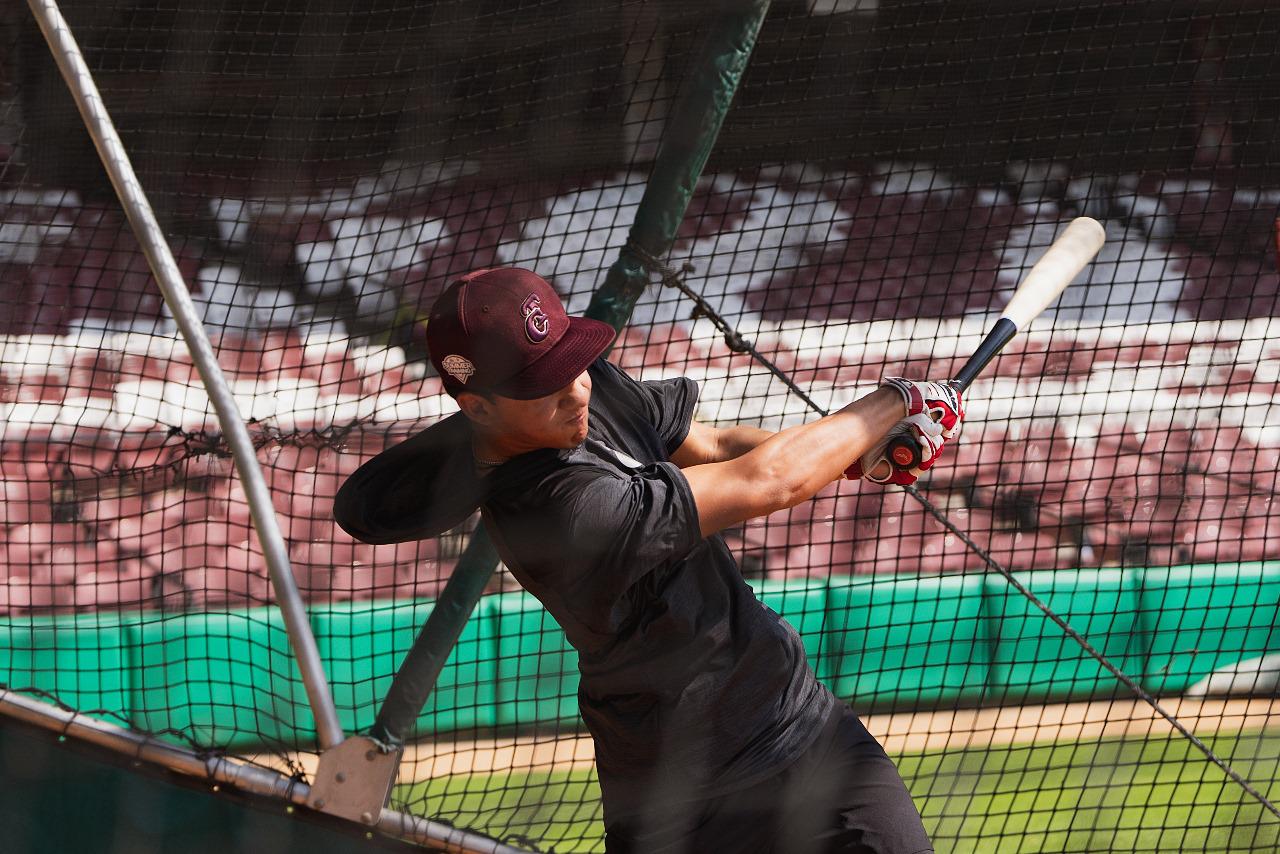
476,407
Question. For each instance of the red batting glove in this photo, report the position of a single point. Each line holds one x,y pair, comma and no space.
935,414
939,399
876,467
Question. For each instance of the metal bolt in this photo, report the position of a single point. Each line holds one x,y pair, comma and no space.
319,804
340,777
371,755
366,817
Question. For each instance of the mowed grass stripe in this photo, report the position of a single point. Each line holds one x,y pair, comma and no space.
1153,795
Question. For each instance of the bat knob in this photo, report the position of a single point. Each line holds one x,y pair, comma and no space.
903,454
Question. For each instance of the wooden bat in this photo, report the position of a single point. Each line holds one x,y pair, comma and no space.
1075,247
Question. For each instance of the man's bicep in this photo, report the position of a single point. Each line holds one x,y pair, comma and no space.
699,446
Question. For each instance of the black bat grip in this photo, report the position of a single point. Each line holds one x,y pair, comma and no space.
1001,334
903,452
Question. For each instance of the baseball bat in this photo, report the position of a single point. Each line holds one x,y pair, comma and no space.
1075,247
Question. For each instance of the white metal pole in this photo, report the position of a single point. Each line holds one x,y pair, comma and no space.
79,80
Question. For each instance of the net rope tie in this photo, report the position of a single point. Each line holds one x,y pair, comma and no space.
675,278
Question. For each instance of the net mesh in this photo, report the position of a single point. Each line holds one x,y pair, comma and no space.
888,171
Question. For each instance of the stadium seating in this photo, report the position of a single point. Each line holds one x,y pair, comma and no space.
115,493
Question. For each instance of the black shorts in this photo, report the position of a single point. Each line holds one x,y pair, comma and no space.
842,795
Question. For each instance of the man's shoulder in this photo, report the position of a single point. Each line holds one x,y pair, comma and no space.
536,477
665,405
610,380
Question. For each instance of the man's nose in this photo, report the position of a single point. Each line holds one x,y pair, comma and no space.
578,392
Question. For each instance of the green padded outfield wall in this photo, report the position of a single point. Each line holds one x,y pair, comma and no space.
363,644
216,679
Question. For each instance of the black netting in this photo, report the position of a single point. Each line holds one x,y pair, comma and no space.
886,174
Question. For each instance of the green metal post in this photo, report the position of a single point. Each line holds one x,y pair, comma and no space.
691,133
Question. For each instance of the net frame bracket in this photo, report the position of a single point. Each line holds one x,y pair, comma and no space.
354,779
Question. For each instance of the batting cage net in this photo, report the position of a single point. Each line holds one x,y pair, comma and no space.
1065,635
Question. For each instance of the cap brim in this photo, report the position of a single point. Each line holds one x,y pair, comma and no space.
417,489
582,343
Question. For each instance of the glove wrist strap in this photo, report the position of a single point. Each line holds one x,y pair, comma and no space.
911,396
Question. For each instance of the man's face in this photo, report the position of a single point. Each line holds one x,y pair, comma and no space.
558,420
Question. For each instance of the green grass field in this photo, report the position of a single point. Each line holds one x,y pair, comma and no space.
1153,794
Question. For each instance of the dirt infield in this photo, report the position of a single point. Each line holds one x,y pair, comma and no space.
902,732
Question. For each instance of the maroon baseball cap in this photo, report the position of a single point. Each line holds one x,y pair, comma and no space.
505,331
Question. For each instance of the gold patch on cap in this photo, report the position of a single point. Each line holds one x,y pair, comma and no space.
458,367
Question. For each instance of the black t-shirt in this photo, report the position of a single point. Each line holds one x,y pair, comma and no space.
688,680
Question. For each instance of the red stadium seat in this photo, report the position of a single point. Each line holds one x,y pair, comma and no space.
282,353
1213,542
229,503
94,373
215,532
169,509
1018,551
413,555
1134,523
311,570
102,510
28,595
126,587
27,547
902,516
246,557
1256,543
18,506
177,557
343,550
313,494
371,581
338,375
974,459
220,586
813,560
66,562
145,450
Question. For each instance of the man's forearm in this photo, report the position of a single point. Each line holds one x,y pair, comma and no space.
790,466
810,456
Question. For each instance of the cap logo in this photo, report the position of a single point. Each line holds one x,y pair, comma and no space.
536,322
458,367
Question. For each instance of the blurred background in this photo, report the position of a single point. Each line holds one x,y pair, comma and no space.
887,172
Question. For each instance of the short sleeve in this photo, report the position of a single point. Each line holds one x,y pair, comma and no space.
604,532
668,405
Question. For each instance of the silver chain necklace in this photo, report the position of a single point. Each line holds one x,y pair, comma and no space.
483,462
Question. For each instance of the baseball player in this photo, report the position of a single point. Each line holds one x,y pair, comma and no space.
605,498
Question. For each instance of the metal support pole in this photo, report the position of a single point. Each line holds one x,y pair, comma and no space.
691,132
422,664
79,80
